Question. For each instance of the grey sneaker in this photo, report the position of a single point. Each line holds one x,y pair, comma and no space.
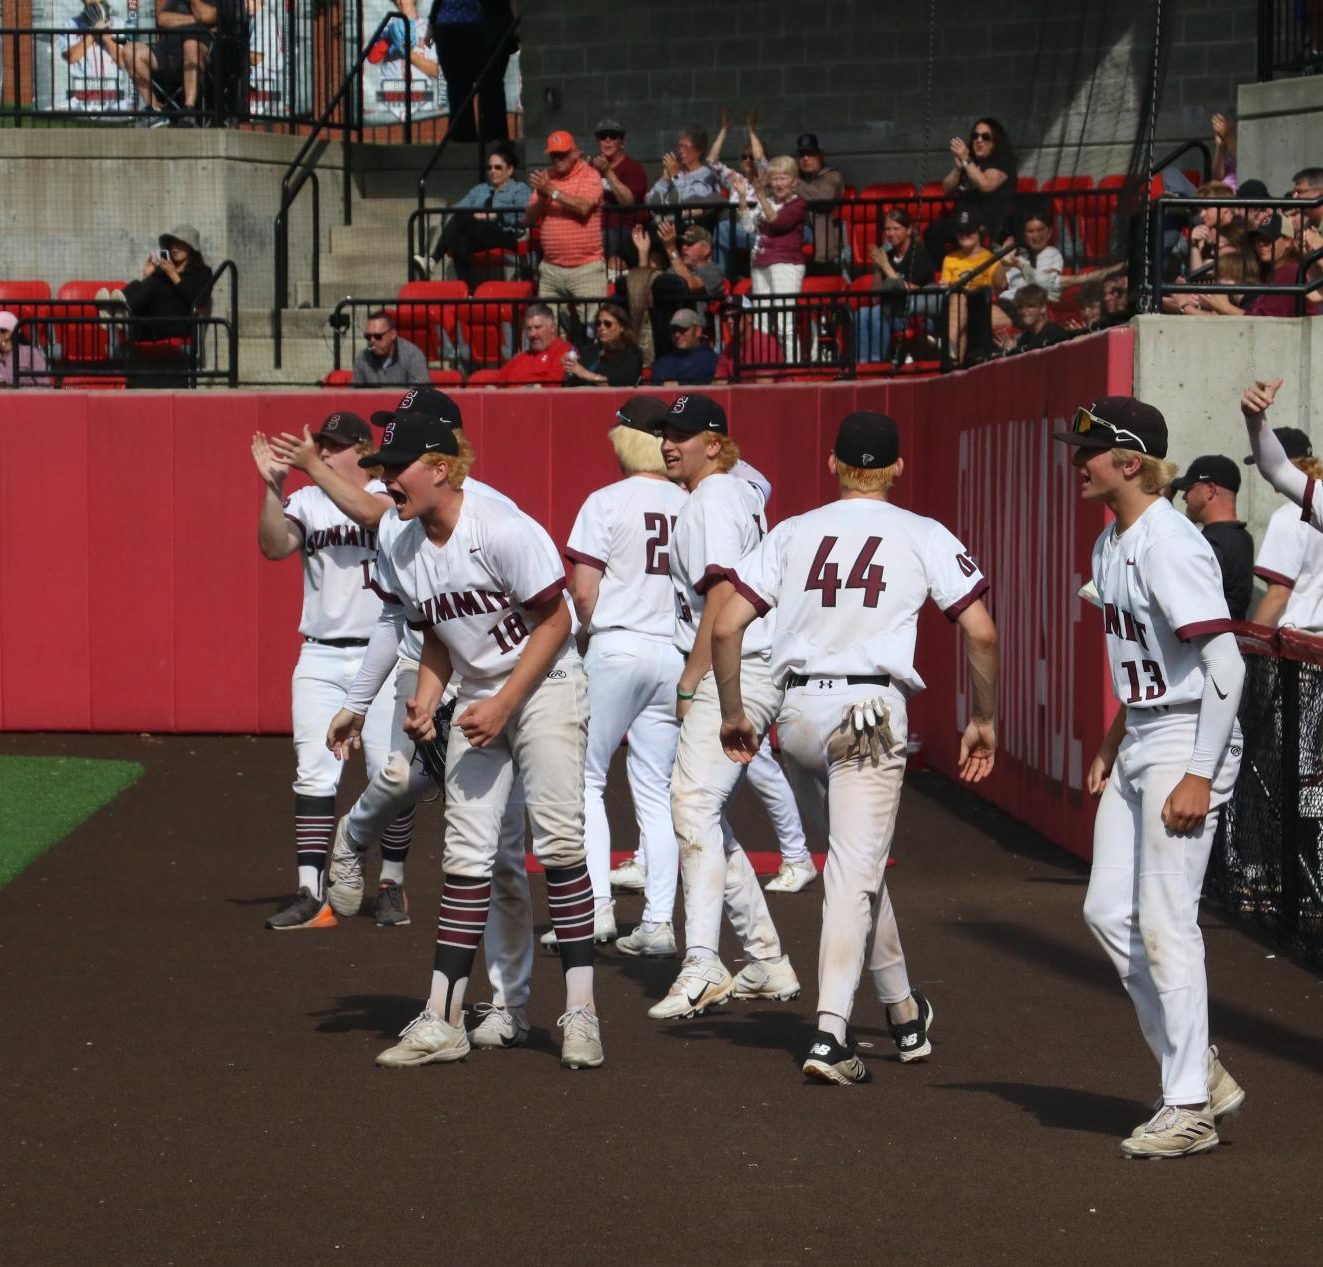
499,1026
344,873
1173,1132
911,1037
581,1039
424,1039
829,1061
650,941
630,875
701,983
304,910
392,905
604,929
766,979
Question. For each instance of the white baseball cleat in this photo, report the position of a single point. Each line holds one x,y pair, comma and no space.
1173,1132
581,1039
604,929
650,941
499,1026
344,873
701,983
630,875
424,1039
793,876
1225,1094
767,979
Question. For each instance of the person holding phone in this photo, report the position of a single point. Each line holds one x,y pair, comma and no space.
175,281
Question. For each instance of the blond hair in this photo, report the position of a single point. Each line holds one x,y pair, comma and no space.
363,448
458,464
783,165
638,452
859,479
1310,465
729,455
1154,473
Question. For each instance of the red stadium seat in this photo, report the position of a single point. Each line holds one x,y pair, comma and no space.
339,378
484,378
84,339
482,327
83,383
1026,185
18,297
931,210
445,378
423,326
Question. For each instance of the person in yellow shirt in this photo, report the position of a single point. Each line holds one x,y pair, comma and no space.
975,299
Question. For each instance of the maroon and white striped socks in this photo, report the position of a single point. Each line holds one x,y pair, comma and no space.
314,826
570,898
395,842
460,920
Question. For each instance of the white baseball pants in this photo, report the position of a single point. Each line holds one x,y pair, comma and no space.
631,692
861,800
1143,897
712,863
768,779
543,746
321,677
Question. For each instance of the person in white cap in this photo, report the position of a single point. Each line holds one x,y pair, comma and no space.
21,364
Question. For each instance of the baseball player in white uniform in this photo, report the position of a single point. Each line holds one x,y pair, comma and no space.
848,581
339,610
1167,765
1274,465
720,523
482,583
1290,560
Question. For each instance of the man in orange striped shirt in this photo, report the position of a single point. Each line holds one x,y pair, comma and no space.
567,202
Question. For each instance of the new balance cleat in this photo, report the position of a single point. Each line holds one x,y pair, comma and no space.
344,873
701,984
793,876
304,910
1173,1132
392,906
425,1039
581,1039
604,929
630,875
766,979
911,1037
650,941
829,1061
499,1026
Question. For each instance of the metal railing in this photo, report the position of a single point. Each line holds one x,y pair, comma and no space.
1290,38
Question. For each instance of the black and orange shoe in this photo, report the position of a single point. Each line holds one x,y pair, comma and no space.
305,910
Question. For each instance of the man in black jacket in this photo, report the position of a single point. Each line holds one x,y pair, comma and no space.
1210,485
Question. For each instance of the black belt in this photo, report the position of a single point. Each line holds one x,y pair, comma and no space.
337,642
876,679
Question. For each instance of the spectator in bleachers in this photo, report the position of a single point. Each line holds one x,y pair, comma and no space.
485,230
567,202
21,364
1290,560
388,360
691,276
544,359
982,178
730,233
189,30
692,362
513,87
468,33
819,186
756,347
1219,230
900,268
969,308
96,54
1036,263
777,225
1116,300
624,184
1037,330
1209,486
612,359
1308,183
1224,150
1090,307
175,280
687,176
1255,216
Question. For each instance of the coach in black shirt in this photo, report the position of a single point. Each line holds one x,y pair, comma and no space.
1210,485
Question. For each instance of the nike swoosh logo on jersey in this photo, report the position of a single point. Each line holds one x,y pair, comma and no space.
1221,694
474,549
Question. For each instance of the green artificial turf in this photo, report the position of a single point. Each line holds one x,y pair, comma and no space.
42,799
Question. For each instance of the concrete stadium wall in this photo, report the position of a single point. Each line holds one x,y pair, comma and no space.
1279,129
133,596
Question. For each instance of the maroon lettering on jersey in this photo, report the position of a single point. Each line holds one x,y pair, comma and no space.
1121,624
657,560
463,603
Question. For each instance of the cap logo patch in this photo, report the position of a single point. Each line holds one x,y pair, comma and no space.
388,435
678,407
406,401
332,423
867,457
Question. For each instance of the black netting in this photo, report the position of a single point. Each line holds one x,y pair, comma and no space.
1268,859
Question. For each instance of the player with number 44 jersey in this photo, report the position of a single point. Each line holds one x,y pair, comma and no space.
1167,765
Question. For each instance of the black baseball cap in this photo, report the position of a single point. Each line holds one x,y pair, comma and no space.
643,413
1212,468
344,429
1294,441
869,440
694,413
808,143
1252,189
967,221
408,436
1271,228
423,402
1118,422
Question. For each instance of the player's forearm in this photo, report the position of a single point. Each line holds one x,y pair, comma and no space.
1271,606
1224,678
361,506
433,672
541,648
727,644
380,656
699,660
981,655
273,534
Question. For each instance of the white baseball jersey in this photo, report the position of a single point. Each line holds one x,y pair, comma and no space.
624,531
1292,555
338,598
475,591
848,580
1161,587
722,520
1312,505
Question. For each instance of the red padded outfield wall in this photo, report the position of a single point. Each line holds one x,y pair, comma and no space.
133,596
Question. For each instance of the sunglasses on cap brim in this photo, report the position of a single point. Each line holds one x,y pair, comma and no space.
1085,422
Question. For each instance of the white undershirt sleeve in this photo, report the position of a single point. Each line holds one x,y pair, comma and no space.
379,659
1275,466
1224,676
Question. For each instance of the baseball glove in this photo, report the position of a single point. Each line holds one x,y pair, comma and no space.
864,733
431,755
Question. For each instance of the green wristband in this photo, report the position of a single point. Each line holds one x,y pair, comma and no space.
679,694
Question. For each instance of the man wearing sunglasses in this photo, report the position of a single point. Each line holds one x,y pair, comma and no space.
1167,765
567,203
388,360
624,184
